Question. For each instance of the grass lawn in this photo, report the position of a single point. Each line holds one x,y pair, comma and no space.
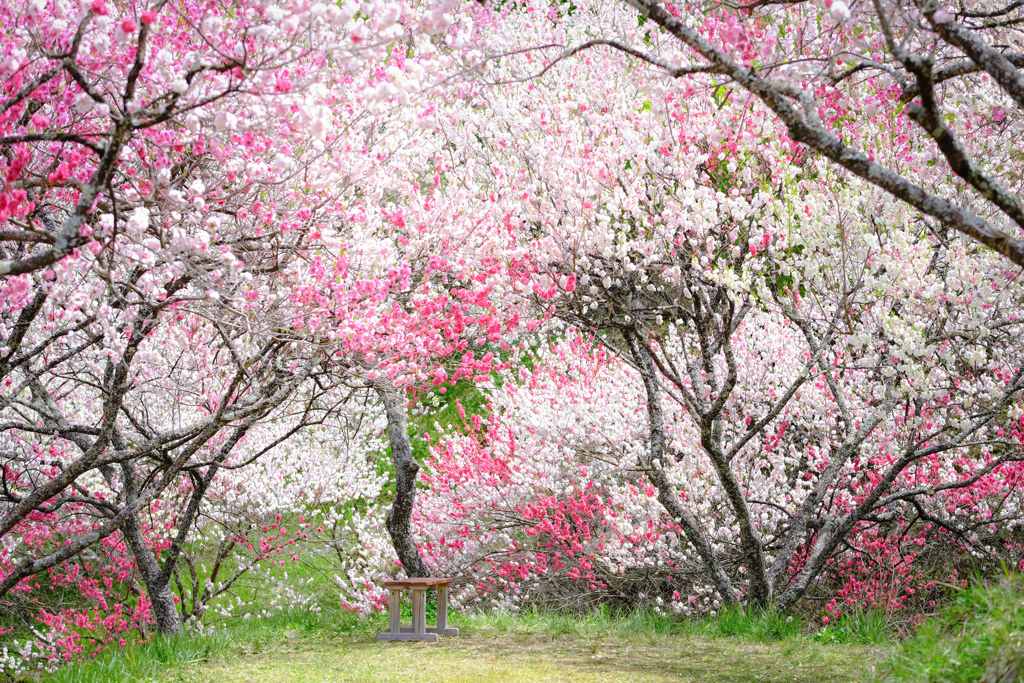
978,637
495,654
515,659
601,646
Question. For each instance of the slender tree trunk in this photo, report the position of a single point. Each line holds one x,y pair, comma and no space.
399,519
712,334
169,619
654,464
760,593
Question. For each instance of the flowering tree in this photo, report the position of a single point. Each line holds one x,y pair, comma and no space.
285,496
540,499
685,226
547,499
828,73
172,172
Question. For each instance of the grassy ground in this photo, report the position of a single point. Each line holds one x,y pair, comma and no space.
523,658
979,638
639,647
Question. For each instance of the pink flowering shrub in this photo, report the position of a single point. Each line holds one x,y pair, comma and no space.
73,611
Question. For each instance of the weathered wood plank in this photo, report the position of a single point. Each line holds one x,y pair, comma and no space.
394,610
419,610
442,608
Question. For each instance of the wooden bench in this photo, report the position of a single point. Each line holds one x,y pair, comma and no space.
419,629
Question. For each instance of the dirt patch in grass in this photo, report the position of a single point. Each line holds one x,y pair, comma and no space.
505,658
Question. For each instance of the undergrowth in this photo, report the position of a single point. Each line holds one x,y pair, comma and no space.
978,637
142,661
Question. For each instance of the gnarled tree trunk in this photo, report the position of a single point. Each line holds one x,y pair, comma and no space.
158,589
399,519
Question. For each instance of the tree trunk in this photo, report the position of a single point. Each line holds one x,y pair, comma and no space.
760,593
654,464
399,519
169,619
158,587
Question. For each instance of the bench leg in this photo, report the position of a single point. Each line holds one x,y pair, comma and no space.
442,614
419,610
394,611
442,608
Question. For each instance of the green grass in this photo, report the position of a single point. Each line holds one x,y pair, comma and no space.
601,646
979,637
756,626
483,657
150,660
768,626
866,627
143,661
